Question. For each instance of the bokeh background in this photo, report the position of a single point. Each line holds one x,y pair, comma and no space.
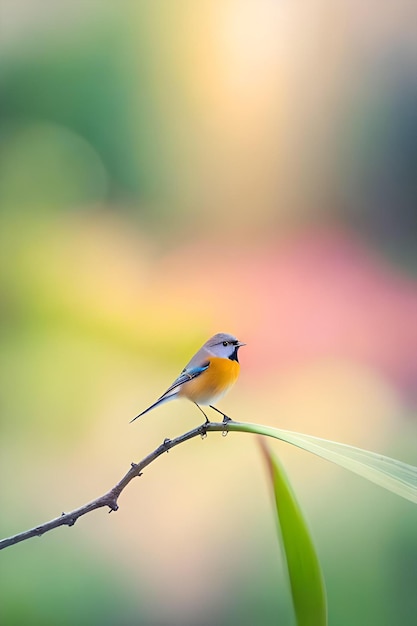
173,169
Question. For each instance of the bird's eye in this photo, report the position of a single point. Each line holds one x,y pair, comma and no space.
225,343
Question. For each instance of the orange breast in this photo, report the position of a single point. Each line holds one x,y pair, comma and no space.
213,383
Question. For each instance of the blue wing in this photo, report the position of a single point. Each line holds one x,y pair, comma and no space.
184,377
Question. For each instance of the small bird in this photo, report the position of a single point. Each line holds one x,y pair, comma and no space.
208,376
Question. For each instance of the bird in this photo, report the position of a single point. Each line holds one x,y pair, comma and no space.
207,376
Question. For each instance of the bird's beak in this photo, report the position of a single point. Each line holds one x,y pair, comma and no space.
240,344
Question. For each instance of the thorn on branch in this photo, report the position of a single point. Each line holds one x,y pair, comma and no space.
167,444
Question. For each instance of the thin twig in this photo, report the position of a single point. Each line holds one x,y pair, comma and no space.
110,498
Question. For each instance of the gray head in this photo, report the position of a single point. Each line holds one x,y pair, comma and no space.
224,346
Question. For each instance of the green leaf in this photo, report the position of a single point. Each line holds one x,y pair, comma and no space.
304,572
394,475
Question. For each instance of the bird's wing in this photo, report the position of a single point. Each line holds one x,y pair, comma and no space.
188,373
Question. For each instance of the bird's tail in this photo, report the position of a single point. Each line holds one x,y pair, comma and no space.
161,400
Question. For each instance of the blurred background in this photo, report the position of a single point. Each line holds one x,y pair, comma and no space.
169,170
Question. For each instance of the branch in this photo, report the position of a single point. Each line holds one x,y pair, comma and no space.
392,474
111,497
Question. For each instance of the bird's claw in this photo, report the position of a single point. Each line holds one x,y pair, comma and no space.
225,430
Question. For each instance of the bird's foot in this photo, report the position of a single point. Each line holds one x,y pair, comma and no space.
205,416
226,418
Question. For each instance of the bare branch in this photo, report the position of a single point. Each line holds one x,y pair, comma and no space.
110,498
392,474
